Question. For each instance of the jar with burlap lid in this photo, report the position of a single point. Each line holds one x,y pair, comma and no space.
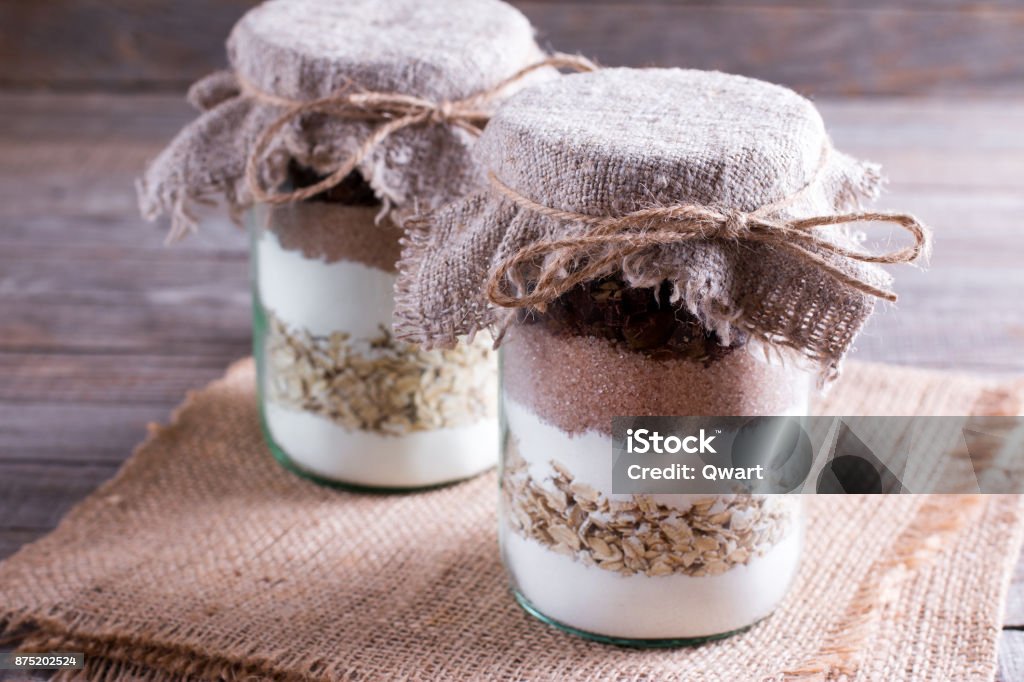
335,120
651,242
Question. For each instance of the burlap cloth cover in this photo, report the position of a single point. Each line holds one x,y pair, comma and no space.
302,50
204,558
617,141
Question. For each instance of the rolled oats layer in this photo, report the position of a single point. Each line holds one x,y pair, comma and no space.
379,384
638,535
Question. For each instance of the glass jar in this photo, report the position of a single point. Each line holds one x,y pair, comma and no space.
642,570
341,400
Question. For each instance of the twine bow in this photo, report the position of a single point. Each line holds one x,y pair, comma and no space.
570,261
393,110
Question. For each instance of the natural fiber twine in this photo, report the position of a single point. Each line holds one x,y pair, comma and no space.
393,111
204,559
667,225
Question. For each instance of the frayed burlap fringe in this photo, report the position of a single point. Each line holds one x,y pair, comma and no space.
123,660
203,560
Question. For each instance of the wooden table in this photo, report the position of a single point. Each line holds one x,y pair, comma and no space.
104,330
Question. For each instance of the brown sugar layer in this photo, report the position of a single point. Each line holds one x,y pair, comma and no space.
579,382
334,232
337,224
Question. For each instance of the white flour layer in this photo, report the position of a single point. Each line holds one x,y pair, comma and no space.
323,297
676,606
421,458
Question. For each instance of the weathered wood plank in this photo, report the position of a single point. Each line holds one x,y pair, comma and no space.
853,51
939,322
1015,601
110,228
92,379
59,117
205,327
75,43
963,124
953,46
75,432
124,276
168,303
837,5
37,495
922,341
934,325
12,540
1011,656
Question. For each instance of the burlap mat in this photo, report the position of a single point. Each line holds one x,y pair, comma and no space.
203,558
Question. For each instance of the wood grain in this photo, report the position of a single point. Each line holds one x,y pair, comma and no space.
1015,604
77,432
12,540
880,50
1011,656
37,495
103,379
123,44
948,46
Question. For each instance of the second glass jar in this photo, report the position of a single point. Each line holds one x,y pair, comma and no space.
340,399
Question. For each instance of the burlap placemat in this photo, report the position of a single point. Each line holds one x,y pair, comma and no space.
203,558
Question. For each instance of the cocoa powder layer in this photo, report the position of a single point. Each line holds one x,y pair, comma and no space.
334,232
579,382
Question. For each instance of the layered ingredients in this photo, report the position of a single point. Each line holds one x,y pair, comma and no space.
635,567
342,398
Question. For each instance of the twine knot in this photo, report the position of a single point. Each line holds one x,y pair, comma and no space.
393,111
443,113
566,262
734,226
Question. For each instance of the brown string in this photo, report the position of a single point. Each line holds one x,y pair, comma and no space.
394,111
613,238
